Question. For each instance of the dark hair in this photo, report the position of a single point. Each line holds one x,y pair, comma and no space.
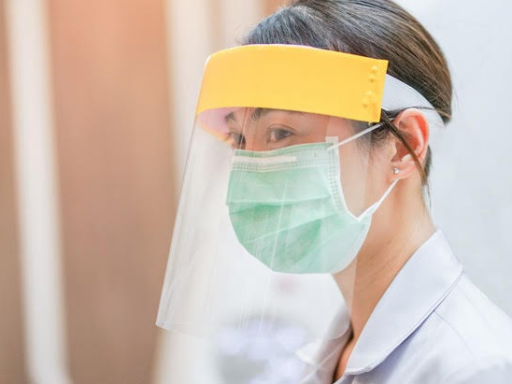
374,28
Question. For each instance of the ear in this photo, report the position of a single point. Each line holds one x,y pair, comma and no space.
414,126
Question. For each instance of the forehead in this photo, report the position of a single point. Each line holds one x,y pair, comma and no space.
258,113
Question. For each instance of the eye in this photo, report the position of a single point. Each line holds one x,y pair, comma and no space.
278,134
235,139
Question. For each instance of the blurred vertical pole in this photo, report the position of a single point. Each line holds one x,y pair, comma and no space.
191,37
12,353
37,192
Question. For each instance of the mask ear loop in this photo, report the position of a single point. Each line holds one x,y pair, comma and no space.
356,136
372,208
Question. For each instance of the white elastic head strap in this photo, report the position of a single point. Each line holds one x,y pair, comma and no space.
399,96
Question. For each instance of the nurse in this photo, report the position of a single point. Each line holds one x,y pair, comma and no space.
305,200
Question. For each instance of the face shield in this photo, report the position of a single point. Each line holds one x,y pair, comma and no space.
279,189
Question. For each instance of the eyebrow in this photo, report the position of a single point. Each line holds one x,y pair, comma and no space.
259,112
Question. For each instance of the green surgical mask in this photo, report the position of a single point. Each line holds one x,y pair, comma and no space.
288,209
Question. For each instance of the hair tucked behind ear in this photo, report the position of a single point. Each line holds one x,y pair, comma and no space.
373,28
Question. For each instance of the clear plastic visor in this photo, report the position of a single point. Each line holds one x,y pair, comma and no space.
258,227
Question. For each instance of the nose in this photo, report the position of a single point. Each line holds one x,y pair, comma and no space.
254,141
255,145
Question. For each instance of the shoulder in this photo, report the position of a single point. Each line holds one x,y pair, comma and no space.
475,336
473,323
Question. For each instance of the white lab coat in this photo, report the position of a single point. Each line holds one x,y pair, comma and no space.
432,325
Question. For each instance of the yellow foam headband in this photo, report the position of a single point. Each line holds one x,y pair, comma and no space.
297,78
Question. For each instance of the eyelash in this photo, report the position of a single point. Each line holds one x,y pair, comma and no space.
237,140
280,130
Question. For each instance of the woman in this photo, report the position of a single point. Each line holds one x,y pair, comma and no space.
320,184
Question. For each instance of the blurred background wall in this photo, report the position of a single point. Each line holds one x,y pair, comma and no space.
113,135
96,108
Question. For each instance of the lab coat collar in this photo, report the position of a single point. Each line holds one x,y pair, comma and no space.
419,287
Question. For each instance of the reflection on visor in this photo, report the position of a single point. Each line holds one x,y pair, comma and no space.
265,129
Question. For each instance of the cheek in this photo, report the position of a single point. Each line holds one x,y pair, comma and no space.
354,177
377,177
363,176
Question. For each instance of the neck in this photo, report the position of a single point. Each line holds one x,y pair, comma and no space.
391,241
